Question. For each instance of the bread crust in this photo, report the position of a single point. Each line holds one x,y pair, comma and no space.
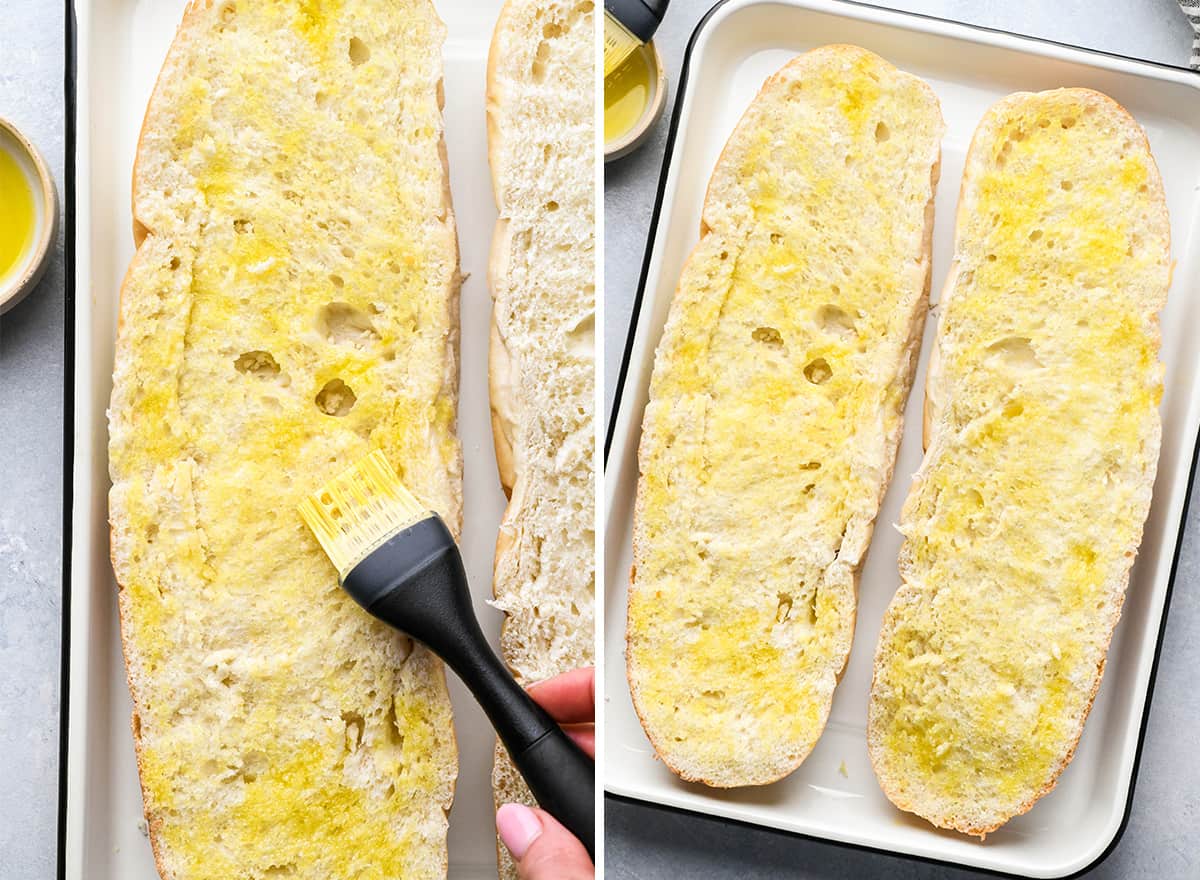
192,27
911,349
932,411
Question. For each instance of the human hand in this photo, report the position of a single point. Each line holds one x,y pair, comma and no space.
541,848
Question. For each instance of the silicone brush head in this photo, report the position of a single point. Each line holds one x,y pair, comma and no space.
359,510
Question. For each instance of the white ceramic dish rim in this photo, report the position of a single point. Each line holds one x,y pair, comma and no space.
624,421
83,633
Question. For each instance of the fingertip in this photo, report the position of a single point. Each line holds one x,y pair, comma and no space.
518,827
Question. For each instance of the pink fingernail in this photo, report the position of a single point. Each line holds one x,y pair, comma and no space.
519,827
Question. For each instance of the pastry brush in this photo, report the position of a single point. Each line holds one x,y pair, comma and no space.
398,560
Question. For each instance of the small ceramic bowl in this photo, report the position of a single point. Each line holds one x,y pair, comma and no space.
26,275
655,103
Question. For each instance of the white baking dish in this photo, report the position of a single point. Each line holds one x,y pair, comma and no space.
120,47
834,794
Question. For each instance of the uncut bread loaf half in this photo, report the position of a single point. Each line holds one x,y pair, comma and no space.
293,304
542,146
1043,436
776,406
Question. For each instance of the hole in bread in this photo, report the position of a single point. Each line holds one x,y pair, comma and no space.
260,364
538,69
1035,235
724,255
322,101
818,371
391,728
1016,351
1144,188
227,17
991,258
882,132
1011,410
394,267
810,466
404,647
360,52
581,337
243,227
784,610
174,264
768,336
551,206
336,398
288,870
348,252
337,281
343,324
354,730
254,765
776,238
1069,122
811,607
1067,185
835,320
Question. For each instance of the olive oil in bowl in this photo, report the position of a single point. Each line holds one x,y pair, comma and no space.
18,217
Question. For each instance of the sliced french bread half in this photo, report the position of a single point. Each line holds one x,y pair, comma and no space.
775,410
1043,436
542,147
292,305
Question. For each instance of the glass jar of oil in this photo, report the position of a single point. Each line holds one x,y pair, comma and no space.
17,215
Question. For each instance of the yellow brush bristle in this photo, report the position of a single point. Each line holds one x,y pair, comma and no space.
356,511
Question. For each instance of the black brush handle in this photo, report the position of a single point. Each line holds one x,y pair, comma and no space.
416,582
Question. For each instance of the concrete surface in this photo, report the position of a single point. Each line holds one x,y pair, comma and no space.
1161,842
31,457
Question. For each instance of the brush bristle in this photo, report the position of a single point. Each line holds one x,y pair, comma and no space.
358,510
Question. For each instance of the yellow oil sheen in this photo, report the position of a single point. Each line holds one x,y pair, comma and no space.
772,369
17,217
627,94
299,808
1031,498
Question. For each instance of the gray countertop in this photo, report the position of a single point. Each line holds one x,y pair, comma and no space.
643,843
31,464
1161,841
